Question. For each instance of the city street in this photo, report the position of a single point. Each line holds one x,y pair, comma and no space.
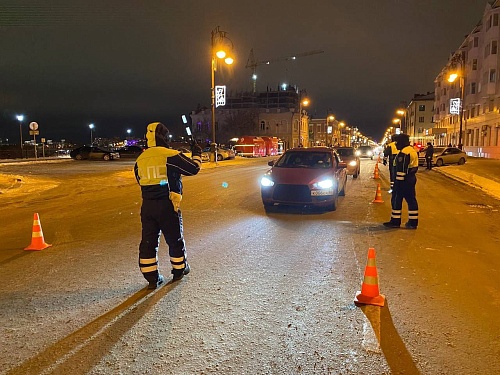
269,293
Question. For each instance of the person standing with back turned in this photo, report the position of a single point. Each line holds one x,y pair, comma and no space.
429,153
158,171
406,163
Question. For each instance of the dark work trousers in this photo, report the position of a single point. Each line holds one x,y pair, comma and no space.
429,162
157,217
405,190
392,170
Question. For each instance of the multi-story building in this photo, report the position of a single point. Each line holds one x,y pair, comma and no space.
270,113
419,118
467,111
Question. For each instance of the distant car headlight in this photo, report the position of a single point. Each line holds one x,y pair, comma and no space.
353,163
358,153
369,153
325,184
266,181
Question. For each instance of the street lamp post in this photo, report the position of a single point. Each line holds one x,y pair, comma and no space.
91,127
459,58
302,102
20,118
402,113
341,127
218,52
331,118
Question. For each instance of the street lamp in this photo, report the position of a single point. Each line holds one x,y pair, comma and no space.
397,121
91,127
20,118
402,113
331,118
341,126
302,102
219,45
460,58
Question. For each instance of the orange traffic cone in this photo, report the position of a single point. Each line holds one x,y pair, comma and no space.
378,195
375,173
370,294
378,159
37,241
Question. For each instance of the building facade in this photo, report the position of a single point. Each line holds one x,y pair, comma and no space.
419,118
467,111
270,113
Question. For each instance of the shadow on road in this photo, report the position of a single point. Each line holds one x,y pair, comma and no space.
394,349
79,352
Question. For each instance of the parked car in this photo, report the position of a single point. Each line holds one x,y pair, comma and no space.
312,176
130,151
204,155
222,153
348,155
444,155
93,153
365,152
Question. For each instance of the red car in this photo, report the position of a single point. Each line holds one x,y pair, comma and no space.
312,176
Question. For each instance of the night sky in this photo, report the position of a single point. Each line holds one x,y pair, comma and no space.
121,64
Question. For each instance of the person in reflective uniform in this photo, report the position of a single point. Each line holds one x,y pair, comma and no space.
406,165
390,152
158,171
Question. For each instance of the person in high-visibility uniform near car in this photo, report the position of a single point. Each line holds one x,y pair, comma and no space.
406,165
158,171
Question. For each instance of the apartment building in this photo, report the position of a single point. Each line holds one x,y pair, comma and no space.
419,118
467,111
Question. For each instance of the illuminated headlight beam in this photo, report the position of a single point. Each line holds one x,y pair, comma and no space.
266,181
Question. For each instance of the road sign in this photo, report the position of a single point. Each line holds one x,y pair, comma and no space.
33,126
34,132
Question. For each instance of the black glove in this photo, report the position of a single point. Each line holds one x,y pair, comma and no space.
384,161
195,149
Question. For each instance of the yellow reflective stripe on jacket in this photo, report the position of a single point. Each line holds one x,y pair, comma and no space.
413,156
152,165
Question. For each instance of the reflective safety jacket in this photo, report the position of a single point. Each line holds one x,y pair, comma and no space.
406,162
390,151
158,171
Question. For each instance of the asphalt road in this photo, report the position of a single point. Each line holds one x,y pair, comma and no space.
269,293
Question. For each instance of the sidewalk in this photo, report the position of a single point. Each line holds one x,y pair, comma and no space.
480,173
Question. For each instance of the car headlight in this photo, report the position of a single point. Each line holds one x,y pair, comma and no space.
370,153
358,153
324,184
353,163
266,181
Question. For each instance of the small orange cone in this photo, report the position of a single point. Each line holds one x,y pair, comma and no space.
37,241
375,173
378,159
370,294
378,195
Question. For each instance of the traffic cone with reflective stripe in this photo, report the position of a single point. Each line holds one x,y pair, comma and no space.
378,195
37,241
370,294
375,173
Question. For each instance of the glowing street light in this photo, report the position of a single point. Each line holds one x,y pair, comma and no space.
91,127
452,78
20,118
219,45
302,102
331,118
